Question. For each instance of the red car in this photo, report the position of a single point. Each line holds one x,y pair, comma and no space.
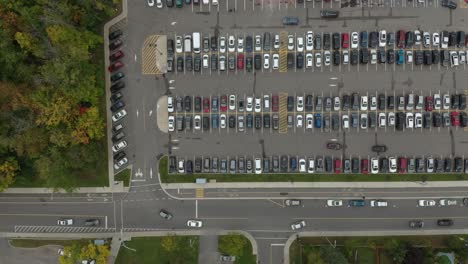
345,40
337,166
401,165
429,103
115,66
401,39
223,103
240,61
364,166
455,118
206,105
275,103
119,54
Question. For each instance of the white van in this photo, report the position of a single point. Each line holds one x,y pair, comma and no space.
258,165
188,43
196,42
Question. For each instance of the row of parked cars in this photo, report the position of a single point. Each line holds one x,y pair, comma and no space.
118,104
310,103
370,120
319,164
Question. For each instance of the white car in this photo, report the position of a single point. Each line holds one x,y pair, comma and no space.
417,37
309,41
170,104
311,166
318,59
426,203
298,225
178,44
309,60
65,222
150,2
181,166
392,164
276,42
119,115
206,61
336,103
119,146
249,105
290,42
446,102
300,44
194,223
364,103
222,121
374,165
309,121
266,61
258,43
462,56
159,4
409,57
299,121
354,40
258,165
334,203
454,60
418,120
437,102
258,104
426,39
435,39
327,55
373,103
302,165
275,61
171,123
382,38
231,44
378,203
345,57
345,120
409,120
382,120
447,202
373,56
300,103
197,122
232,102
120,163
240,44
391,119
222,44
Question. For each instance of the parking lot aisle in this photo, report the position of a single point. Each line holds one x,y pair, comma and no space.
283,113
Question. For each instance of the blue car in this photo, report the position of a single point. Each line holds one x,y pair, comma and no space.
214,120
363,39
290,20
292,164
400,57
318,121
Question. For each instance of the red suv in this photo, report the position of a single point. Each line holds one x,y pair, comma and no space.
455,118
401,165
119,54
275,103
429,103
337,166
240,61
206,105
364,166
401,39
345,40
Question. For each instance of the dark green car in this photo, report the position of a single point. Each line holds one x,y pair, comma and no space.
179,3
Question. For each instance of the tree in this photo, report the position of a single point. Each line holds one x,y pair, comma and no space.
442,259
71,254
88,252
459,245
89,126
232,244
103,254
396,250
8,170
314,257
168,243
332,255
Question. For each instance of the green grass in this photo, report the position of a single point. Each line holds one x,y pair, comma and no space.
123,176
149,250
246,257
366,256
303,177
34,243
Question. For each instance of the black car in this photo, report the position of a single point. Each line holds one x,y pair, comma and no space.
284,163
290,60
329,13
355,165
336,41
354,57
336,58
427,120
454,101
461,102
170,3
189,167
390,56
381,101
448,165
444,58
328,164
188,103
231,62
115,34
180,64
115,97
188,63
170,64
214,43
435,57
335,122
416,224
364,56
461,39
214,62
463,119
427,57
326,41
318,41
292,164
418,57
309,103
458,164
452,41
409,39
197,63
354,101
436,119
258,61
117,87
198,104
170,47
400,121
372,117
445,222
120,155
258,121
391,102
206,123
248,63
299,61
198,165
248,44
117,76
115,44
290,103
381,55
346,102
232,121
249,120
383,165
266,121
373,39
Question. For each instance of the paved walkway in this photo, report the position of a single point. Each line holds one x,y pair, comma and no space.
41,255
208,249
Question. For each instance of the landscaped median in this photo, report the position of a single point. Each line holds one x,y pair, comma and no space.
237,245
303,177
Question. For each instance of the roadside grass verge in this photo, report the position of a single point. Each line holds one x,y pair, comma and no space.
124,176
244,256
303,177
159,250
34,243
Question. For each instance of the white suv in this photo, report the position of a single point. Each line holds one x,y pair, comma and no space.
374,165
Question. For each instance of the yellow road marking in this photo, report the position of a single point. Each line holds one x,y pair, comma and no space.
200,193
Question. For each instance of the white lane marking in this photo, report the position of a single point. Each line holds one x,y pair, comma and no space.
137,112
173,23
135,57
151,173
